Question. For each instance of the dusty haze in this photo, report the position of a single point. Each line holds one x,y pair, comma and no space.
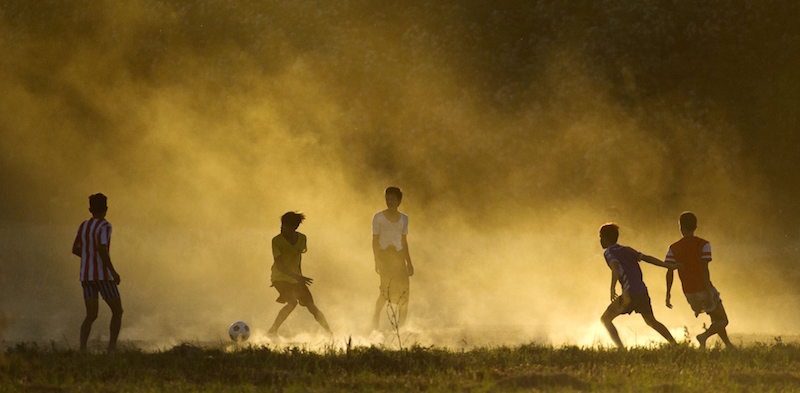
515,131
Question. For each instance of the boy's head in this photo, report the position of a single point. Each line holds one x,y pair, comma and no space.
688,222
292,220
98,204
393,196
609,233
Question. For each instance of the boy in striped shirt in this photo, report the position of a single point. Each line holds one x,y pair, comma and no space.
695,254
624,264
97,272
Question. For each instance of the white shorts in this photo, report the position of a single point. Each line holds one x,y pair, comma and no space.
700,302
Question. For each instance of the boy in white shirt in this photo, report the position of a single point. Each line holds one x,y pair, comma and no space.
392,259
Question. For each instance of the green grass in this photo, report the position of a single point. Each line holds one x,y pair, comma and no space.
532,367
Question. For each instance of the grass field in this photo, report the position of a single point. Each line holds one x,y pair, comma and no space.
760,367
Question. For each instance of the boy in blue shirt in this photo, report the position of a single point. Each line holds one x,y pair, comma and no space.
624,264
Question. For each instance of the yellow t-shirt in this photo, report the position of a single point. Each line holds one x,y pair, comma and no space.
290,255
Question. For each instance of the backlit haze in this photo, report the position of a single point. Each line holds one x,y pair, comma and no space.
515,130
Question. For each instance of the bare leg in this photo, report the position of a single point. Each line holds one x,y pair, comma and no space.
319,317
608,316
723,334
378,308
403,312
282,315
659,327
719,320
91,315
116,322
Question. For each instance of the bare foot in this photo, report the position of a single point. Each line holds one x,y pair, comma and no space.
702,340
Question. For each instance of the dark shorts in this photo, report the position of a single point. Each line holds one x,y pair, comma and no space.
640,303
107,289
394,276
288,291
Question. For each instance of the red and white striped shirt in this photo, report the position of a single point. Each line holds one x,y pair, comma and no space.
91,234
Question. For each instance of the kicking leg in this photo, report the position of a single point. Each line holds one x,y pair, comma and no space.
116,322
91,315
651,321
319,317
719,320
282,315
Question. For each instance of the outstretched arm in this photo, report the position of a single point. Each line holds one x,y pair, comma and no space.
658,262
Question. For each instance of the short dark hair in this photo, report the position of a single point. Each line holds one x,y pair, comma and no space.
292,219
98,203
610,231
688,221
396,192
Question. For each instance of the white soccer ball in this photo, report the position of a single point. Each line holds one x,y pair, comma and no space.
239,331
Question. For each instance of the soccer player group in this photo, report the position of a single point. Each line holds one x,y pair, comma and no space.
389,247
690,256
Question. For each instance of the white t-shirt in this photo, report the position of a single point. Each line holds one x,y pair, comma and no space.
390,233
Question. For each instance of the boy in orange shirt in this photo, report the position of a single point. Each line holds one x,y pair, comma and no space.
695,254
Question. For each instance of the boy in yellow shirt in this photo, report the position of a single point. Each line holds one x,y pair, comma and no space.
287,278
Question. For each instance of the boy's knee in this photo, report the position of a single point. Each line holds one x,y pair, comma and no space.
721,322
291,303
650,320
91,316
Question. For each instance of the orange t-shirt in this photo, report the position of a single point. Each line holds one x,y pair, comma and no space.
690,251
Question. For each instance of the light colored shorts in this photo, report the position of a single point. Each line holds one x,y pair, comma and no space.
700,303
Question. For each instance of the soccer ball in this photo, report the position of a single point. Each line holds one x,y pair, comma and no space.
239,331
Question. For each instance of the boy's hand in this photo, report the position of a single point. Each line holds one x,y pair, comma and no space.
669,304
305,280
614,295
410,270
116,278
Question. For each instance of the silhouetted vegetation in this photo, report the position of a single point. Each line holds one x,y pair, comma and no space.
760,367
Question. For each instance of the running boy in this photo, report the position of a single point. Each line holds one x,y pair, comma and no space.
292,286
694,254
97,273
392,259
624,264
